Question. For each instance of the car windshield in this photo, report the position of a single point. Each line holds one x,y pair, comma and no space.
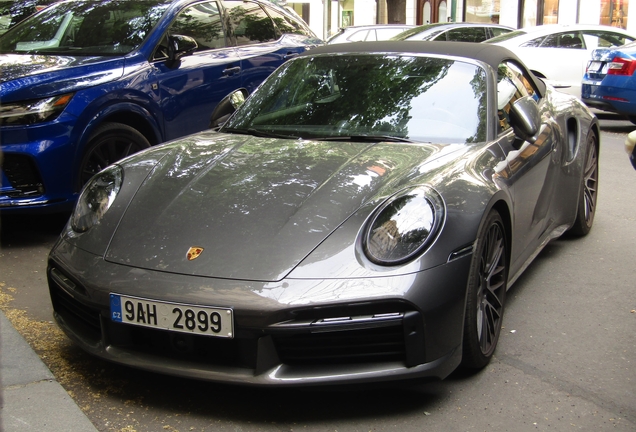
85,28
369,97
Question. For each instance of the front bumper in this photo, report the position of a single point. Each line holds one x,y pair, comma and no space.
413,330
37,171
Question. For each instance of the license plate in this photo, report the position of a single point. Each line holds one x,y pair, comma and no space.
594,66
184,318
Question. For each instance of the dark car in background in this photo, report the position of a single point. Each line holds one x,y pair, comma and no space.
85,83
609,83
454,32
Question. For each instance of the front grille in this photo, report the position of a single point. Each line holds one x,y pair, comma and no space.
370,333
23,176
342,347
80,318
238,352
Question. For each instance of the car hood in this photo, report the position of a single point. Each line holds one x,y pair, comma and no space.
29,76
254,207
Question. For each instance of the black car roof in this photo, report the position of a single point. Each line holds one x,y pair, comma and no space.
492,55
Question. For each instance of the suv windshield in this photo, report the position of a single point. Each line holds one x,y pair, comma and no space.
85,27
364,96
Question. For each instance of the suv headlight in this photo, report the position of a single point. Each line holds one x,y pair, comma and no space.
96,198
33,111
403,226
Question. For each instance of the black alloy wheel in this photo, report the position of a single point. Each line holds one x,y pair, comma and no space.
589,190
487,284
108,144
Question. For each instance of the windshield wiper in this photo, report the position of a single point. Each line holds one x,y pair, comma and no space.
258,133
365,138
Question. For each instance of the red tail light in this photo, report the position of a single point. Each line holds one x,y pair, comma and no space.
622,66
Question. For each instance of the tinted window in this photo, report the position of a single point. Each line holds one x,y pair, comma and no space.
476,34
496,31
602,39
86,28
570,40
250,23
202,22
418,98
286,24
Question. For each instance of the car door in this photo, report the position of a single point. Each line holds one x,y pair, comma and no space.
532,172
560,58
190,88
259,40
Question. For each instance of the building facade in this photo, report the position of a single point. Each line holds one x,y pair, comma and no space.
513,13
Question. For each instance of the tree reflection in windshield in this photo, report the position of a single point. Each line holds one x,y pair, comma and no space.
420,98
103,27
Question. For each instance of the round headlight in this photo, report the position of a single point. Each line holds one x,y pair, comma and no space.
96,198
403,226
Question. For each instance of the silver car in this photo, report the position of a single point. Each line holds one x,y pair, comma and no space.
359,218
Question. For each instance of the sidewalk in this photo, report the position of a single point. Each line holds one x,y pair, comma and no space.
30,397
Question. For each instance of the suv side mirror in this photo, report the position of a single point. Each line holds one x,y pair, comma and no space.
525,118
226,107
179,46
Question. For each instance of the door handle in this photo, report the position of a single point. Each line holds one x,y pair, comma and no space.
289,55
232,70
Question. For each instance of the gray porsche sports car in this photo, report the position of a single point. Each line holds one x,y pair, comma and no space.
358,218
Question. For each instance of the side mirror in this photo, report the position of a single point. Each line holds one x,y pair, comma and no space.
226,107
179,46
525,117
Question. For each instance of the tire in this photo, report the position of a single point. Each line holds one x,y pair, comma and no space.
108,144
589,191
486,294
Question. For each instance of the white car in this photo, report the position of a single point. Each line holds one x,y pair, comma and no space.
375,32
559,53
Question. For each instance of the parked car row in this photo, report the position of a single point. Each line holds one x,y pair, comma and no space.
323,233
87,83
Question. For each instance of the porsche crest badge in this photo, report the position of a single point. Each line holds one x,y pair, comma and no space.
194,252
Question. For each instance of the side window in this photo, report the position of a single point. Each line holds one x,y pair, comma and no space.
286,24
534,42
249,23
512,84
202,22
570,40
496,31
388,33
603,39
360,35
477,34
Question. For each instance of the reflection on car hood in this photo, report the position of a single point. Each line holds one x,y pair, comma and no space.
36,75
255,206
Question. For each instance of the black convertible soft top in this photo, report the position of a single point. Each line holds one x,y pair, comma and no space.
492,55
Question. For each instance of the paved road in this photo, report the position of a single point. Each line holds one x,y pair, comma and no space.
566,360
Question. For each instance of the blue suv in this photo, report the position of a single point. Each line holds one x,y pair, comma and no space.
86,83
